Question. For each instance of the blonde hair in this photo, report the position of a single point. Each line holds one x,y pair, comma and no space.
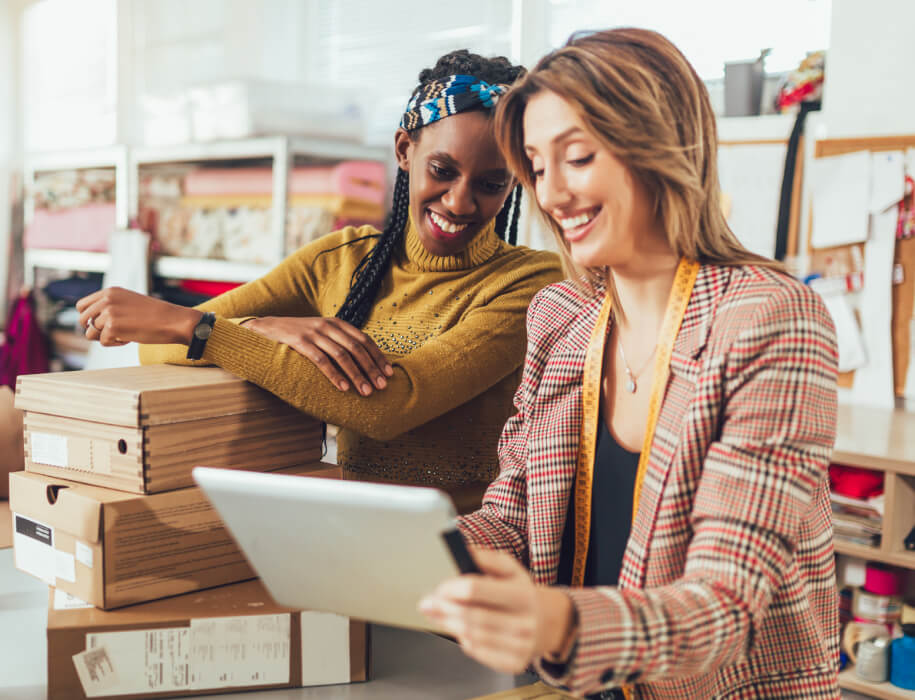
643,101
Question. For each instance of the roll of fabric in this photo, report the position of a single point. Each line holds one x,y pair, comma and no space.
902,667
876,607
874,660
883,580
857,632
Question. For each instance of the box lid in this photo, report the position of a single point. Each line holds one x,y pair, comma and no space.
246,598
148,395
64,505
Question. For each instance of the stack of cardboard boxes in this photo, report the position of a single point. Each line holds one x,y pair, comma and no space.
106,513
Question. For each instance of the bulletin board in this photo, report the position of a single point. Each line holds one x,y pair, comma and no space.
903,293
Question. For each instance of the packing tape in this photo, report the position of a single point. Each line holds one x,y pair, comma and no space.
875,607
883,580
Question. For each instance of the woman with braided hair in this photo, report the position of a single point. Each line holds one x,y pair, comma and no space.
410,339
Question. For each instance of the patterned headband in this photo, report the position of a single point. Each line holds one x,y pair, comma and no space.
447,96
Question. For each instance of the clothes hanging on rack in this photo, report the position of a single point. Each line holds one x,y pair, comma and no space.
25,347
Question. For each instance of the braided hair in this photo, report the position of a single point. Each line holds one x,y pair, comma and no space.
367,276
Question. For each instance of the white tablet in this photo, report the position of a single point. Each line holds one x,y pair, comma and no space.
370,551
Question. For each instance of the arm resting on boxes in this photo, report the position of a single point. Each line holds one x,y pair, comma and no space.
445,372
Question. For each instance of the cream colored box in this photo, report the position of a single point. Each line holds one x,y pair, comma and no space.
143,429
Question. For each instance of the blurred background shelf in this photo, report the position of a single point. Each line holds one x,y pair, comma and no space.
206,269
883,691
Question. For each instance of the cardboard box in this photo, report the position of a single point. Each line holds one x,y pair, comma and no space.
228,638
112,549
11,455
6,526
142,429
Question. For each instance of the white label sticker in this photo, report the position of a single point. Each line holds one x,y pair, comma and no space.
96,672
65,566
145,661
47,448
212,653
325,648
240,651
33,545
65,601
84,554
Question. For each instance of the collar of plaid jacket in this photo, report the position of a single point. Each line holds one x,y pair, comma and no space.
680,293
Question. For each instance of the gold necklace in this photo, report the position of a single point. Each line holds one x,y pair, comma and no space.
631,378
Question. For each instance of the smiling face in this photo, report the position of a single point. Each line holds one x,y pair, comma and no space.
602,209
458,179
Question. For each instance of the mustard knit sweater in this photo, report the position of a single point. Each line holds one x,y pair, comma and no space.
453,328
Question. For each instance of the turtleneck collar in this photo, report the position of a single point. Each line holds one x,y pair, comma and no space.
480,249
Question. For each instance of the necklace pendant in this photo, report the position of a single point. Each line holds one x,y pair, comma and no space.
630,385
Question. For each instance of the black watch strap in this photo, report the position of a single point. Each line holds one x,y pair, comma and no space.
200,336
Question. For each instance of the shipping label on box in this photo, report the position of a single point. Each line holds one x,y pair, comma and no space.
232,637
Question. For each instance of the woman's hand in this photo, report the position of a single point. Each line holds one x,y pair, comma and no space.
502,618
340,350
116,316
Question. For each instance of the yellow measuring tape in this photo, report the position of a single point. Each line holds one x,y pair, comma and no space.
684,280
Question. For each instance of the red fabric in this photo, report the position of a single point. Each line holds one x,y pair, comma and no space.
25,350
855,482
210,288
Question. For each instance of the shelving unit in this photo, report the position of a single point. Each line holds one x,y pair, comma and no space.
883,691
281,151
882,440
114,157
207,269
84,260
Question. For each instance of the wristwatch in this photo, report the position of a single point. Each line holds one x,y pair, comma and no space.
201,333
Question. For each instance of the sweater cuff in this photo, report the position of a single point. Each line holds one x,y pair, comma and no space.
236,349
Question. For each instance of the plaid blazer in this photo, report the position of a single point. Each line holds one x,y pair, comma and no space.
727,588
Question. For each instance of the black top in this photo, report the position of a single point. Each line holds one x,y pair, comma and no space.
615,469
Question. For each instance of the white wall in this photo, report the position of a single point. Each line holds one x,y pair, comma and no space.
10,141
869,86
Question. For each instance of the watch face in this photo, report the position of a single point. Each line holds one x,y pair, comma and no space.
202,331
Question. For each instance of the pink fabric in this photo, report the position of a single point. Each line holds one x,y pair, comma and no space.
883,580
25,350
362,180
81,228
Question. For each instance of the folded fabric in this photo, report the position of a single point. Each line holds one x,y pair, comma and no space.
72,289
855,482
362,180
86,227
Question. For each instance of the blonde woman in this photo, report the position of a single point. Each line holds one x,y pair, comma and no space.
667,461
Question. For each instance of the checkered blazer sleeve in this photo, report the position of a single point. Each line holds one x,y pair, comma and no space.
775,390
